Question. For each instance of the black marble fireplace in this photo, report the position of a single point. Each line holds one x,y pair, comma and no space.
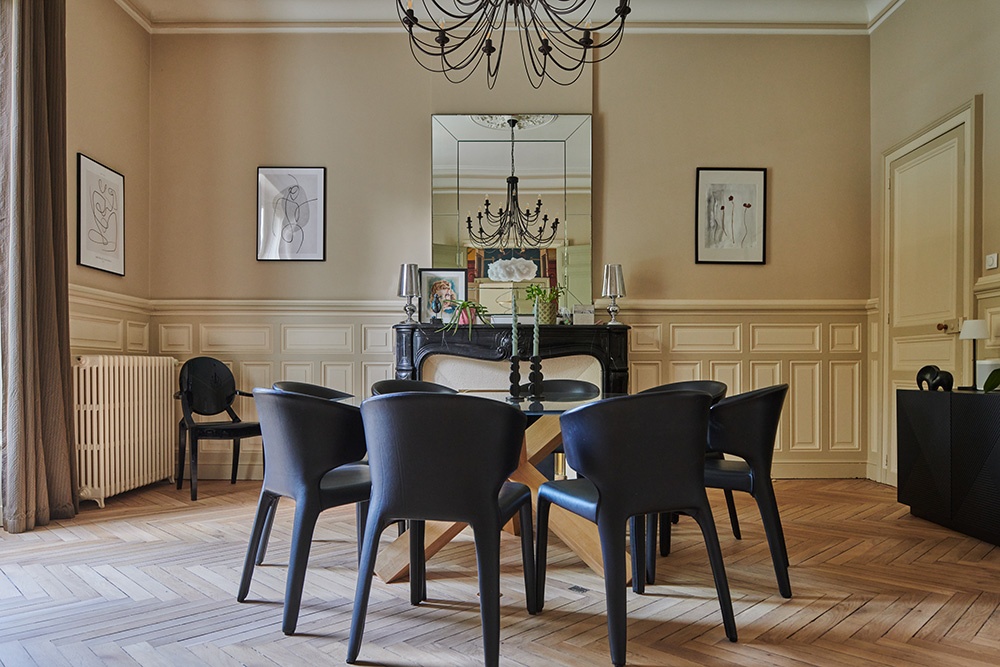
606,343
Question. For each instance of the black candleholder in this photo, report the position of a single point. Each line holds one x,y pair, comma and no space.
535,378
515,378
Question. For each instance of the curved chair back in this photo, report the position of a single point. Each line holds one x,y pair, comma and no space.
565,390
717,390
304,438
746,424
419,441
308,389
396,386
619,444
208,385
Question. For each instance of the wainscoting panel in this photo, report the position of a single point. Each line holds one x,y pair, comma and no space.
645,338
845,338
334,339
764,374
176,338
682,371
785,337
137,337
845,395
93,332
729,373
804,405
297,371
373,372
377,339
705,338
914,352
644,375
222,338
338,376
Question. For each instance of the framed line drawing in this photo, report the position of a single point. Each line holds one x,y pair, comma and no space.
291,213
437,288
100,216
730,215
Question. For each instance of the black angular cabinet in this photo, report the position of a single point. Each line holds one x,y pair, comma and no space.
948,447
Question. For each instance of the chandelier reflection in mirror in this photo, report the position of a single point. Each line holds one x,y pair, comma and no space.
510,227
556,36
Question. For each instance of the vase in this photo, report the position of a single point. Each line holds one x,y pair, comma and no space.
547,312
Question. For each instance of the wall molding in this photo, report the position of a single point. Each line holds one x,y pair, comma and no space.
738,306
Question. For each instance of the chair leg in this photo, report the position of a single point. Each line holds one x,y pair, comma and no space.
612,535
768,507
361,519
706,522
637,531
265,507
651,521
181,446
236,459
488,559
733,519
667,520
194,467
306,514
528,560
266,537
418,563
541,546
366,569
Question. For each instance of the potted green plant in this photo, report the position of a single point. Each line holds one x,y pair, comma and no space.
546,301
992,380
465,313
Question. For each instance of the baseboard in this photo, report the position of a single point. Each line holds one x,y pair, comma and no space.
820,470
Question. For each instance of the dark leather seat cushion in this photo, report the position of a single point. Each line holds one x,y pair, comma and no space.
348,483
579,496
725,474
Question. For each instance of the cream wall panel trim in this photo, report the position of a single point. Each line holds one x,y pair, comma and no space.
235,338
275,308
804,405
705,338
987,287
818,470
176,338
785,337
764,374
331,338
682,371
874,424
644,375
845,401
914,352
645,338
729,373
96,298
252,374
297,371
376,339
874,336
992,317
96,332
338,376
137,336
373,372
845,338
808,307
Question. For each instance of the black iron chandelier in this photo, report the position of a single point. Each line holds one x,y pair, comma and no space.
556,36
510,227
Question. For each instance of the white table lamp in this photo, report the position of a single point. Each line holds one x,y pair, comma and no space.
973,330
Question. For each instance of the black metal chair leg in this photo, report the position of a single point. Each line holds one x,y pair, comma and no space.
733,519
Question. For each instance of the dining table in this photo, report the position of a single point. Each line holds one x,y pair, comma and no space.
542,437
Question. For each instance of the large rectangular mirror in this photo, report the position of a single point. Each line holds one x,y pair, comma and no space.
472,160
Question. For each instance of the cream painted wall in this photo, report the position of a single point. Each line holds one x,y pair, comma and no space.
797,105
107,119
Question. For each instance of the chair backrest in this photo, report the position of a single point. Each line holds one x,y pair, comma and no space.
309,389
745,425
440,456
565,390
304,437
208,385
396,386
717,390
644,452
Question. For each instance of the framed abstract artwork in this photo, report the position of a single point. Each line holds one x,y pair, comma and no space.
439,288
100,216
291,213
730,215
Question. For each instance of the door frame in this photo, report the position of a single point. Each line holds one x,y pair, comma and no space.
969,114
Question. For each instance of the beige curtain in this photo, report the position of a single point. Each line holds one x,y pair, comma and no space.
36,452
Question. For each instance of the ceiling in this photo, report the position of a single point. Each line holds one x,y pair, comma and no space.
173,15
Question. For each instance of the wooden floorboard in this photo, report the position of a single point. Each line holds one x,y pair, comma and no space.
151,580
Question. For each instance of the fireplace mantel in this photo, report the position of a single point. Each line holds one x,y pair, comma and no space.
606,343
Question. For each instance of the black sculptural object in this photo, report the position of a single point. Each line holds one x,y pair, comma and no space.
934,378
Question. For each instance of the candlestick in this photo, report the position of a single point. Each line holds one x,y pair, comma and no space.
513,320
534,345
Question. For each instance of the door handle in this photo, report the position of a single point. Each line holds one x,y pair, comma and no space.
942,326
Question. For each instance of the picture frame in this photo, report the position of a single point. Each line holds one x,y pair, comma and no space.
440,282
291,214
730,215
100,216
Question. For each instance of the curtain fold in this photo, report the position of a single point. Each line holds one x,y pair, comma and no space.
37,461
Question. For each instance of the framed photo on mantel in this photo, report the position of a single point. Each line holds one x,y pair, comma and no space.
730,212
100,216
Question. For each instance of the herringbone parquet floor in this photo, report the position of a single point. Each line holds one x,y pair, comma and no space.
151,580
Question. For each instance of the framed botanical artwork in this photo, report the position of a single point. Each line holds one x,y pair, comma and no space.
731,210
100,216
291,213
438,289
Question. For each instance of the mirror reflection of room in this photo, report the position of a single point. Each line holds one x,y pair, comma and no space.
477,169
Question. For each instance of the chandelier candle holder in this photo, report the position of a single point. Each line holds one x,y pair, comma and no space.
510,227
457,36
513,271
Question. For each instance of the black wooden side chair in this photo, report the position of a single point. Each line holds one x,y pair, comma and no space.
421,473
207,388
617,445
309,389
311,445
396,386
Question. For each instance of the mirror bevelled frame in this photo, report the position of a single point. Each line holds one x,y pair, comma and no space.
552,159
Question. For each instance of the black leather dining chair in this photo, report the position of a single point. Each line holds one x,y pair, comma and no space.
421,473
396,386
557,389
309,389
207,388
311,445
617,445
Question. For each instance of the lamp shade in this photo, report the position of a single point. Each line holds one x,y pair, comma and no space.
974,330
614,281
409,283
